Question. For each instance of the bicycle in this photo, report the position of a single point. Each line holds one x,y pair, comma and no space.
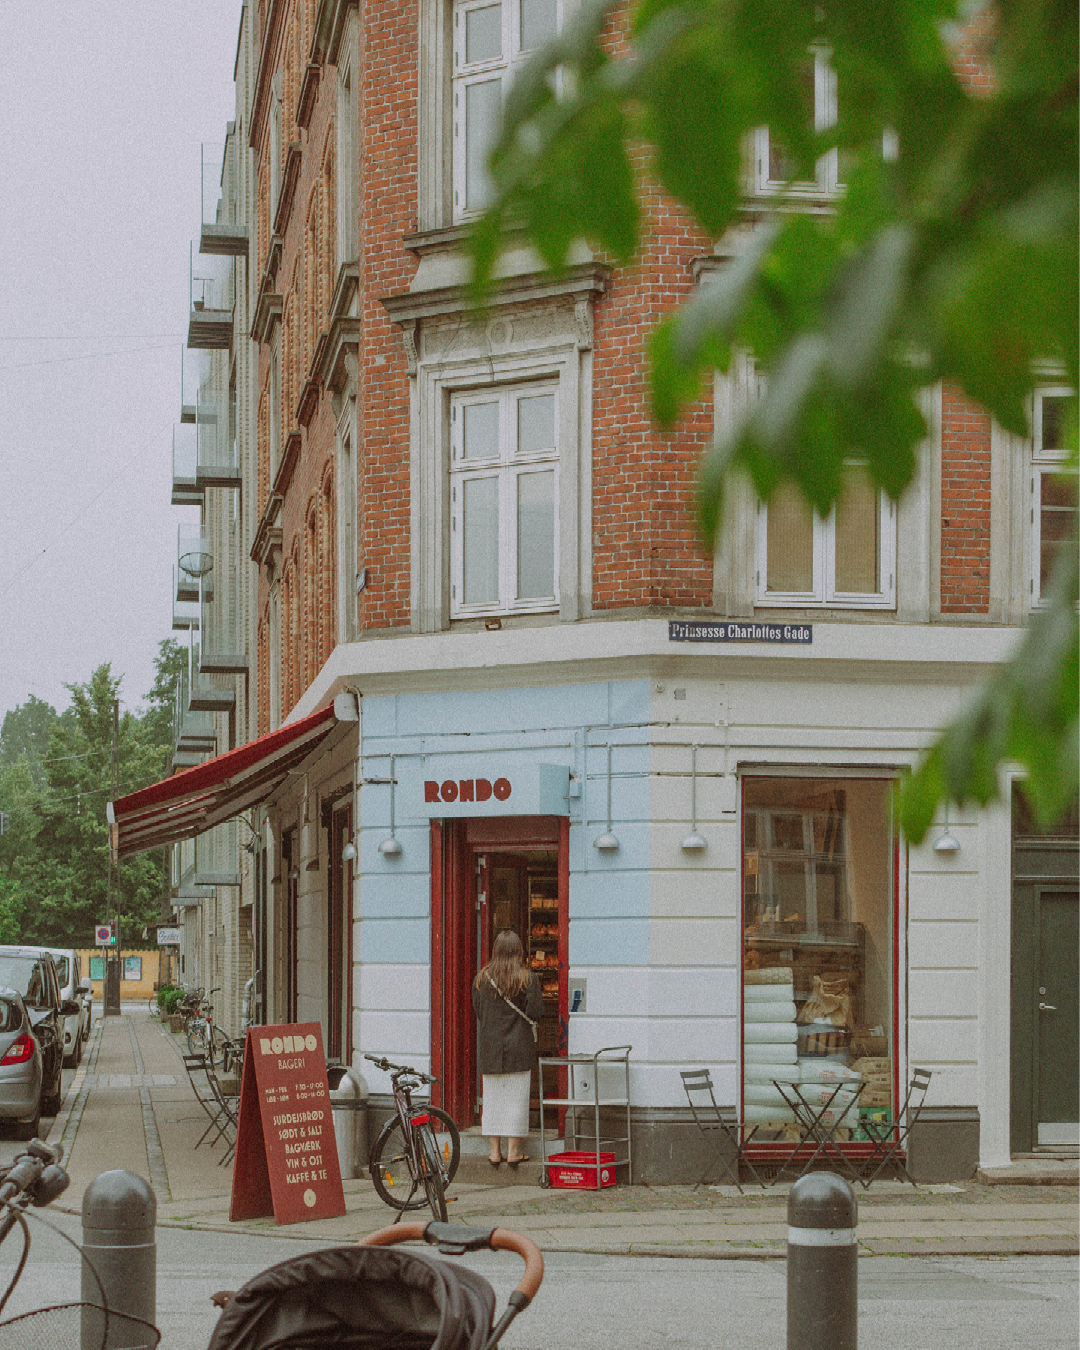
410,1143
36,1178
204,1036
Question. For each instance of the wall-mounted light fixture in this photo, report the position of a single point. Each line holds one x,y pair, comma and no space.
693,842
390,846
945,842
294,874
607,842
348,853
493,625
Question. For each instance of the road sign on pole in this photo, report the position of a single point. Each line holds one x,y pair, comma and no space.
104,935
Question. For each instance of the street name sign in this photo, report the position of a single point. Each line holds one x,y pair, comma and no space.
286,1154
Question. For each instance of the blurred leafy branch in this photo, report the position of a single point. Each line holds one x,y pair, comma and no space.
951,254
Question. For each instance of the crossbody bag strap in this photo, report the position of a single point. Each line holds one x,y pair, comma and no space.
510,1004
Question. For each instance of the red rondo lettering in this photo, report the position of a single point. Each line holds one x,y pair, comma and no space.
431,791
465,790
502,789
483,789
449,791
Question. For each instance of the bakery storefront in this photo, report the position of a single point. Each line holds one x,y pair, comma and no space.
821,987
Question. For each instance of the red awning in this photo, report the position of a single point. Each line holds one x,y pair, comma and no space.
197,799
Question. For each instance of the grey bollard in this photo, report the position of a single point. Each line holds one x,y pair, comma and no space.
119,1211
822,1264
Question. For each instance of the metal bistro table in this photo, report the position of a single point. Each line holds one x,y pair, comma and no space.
818,1123
594,1083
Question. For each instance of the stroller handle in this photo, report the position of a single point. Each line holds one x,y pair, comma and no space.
462,1238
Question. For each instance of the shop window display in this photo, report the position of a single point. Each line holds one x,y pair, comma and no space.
818,911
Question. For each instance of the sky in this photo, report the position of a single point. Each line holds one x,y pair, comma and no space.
106,104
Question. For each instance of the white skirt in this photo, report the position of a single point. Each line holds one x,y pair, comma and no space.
505,1110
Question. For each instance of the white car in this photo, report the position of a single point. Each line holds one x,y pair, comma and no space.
73,986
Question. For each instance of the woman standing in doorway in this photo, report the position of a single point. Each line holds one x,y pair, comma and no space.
508,1003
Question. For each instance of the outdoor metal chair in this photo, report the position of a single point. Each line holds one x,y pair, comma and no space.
228,1112
724,1137
890,1137
211,1102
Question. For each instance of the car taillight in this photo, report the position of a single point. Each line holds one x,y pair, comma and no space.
19,1051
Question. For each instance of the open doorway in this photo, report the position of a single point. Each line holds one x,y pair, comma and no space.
488,875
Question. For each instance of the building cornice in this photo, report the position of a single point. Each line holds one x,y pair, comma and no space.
583,280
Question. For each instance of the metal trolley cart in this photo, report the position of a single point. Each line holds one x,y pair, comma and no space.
595,1083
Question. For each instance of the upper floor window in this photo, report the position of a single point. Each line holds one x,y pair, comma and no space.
504,456
491,39
1053,513
774,167
845,559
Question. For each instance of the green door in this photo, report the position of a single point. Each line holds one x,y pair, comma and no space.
1057,1019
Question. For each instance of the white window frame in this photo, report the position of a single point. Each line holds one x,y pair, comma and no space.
826,180
348,165
507,467
276,121
1044,462
347,525
824,591
505,66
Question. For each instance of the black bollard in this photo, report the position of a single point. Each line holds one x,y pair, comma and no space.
119,1211
822,1264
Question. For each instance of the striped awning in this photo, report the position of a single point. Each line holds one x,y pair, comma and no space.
199,798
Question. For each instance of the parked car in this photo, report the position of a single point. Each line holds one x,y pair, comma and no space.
20,1066
73,986
31,972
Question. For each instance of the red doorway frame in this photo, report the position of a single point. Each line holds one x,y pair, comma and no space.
454,927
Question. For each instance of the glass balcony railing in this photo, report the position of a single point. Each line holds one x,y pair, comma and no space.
185,484
222,638
185,613
210,284
194,561
217,460
221,232
193,731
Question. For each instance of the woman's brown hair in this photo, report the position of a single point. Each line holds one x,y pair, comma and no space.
506,969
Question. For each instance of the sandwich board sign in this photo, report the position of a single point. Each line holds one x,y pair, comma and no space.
286,1160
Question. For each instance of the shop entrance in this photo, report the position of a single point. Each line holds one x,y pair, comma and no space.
488,875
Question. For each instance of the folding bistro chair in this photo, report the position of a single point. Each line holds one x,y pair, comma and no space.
228,1112
202,1087
717,1131
890,1137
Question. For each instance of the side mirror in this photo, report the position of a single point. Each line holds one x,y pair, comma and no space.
69,1008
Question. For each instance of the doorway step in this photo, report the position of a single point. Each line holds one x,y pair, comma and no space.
1058,1168
475,1169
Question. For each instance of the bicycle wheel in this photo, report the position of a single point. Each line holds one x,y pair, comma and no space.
431,1162
196,1039
389,1159
152,1003
218,1043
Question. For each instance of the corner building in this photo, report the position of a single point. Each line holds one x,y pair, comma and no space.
521,694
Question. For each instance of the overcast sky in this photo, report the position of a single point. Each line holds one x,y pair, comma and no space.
105,105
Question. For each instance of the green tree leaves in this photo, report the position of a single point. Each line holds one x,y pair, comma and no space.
949,253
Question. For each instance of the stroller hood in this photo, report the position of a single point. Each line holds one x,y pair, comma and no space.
359,1296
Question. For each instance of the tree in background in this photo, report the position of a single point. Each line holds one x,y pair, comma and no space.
55,881
950,255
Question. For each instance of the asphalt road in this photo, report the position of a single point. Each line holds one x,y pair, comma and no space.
965,1303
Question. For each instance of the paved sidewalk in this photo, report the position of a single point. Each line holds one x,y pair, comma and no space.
131,1106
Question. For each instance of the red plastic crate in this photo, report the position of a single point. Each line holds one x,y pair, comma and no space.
577,1171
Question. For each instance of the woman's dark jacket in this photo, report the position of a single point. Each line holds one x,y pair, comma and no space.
504,1042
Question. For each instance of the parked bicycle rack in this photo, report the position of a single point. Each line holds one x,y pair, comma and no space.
594,1083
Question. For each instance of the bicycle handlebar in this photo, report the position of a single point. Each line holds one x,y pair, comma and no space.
397,1069
459,1238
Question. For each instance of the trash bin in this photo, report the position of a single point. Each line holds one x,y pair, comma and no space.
348,1103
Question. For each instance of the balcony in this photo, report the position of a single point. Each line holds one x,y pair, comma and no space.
210,321
185,484
194,736
185,613
221,233
206,692
193,563
222,640
217,461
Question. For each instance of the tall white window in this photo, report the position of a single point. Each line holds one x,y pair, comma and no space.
503,494
491,39
1053,511
348,163
774,169
847,558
